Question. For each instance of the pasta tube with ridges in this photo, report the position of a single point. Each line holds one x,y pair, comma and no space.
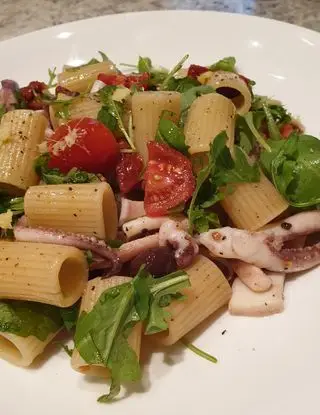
208,116
147,108
230,85
22,351
88,209
44,273
20,133
93,291
81,79
209,291
80,107
253,205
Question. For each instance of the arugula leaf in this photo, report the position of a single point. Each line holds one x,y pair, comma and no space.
274,132
203,220
267,157
248,118
92,61
16,204
69,316
144,65
2,110
52,78
25,318
169,133
226,64
296,170
55,176
182,84
111,113
62,108
221,170
189,96
173,71
165,288
102,334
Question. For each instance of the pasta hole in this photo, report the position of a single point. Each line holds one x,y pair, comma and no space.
71,277
9,350
233,94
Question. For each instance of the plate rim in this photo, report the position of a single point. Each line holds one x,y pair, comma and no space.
90,20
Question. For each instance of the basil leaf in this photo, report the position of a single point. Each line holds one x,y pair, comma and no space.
189,96
168,132
227,64
25,318
296,170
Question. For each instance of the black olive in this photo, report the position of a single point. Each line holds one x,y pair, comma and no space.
158,261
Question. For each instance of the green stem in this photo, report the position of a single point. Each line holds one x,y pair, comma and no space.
199,352
173,71
255,132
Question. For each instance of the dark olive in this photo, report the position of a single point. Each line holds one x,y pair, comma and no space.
158,261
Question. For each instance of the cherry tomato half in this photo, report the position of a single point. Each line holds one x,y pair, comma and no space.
169,180
83,143
195,70
129,170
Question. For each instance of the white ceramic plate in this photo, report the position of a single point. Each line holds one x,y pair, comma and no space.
267,366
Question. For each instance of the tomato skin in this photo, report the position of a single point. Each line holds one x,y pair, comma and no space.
93,148
169,180
286,130
139,80
128,171
195,70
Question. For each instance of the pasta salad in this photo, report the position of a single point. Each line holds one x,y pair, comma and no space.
134,204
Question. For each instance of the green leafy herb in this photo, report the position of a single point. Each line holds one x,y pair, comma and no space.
227,64
89,256
111,113
168,132
62,108
248,118
92,61
16,204
2,110
102,334
295,170
274,132
52,78
199,352
70,315
173,71
25,318
203,220
144,65
221,170
189,96
182,84
55,176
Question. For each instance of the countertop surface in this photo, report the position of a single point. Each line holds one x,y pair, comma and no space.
22,16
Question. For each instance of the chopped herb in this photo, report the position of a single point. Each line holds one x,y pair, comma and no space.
70,315
52,78
89,257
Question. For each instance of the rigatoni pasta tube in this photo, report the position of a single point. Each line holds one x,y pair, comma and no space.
91,295
231,86
208,116
147,108
22,351
89,209
81,79
44,273
253,205
79,107
20,133
209,291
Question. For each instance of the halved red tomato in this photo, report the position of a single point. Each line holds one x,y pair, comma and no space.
83,143
169,180
139,80
129,170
